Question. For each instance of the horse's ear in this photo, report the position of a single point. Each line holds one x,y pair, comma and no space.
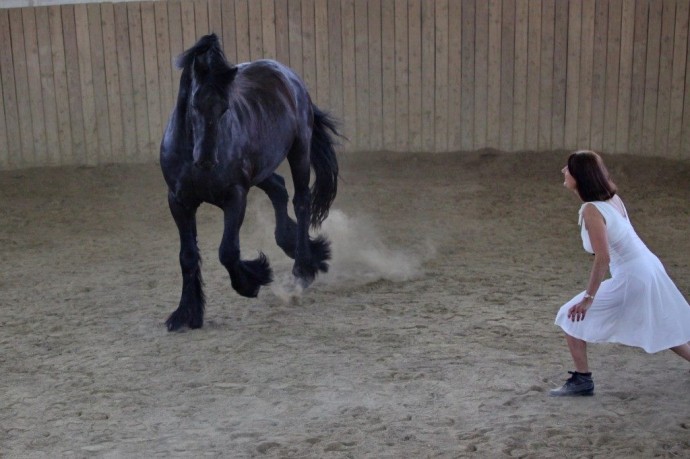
229,74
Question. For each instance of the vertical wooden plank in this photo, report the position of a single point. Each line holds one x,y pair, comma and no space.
335,61
242,31
668,20
651,87
349,87
282,32
533,75
77,152
428,75
362,74
201,23
81,19
124,66
227,10
104,154
635,144
685,131
586,56
467,89
45,58
167,99
402,70
546,66
507,75
560,61
57,48
176,47
521,62
268,29
599,75
493,113
454,75
322,49
375,70
414,23
625,80
11,156
295,35
440,122
612,75
388,75
112,83
136,43
308,45
573,75
188,24
215,19
680,50
256,42
4,149
34,81
481,65
153,93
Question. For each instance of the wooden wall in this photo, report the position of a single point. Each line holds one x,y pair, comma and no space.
94,83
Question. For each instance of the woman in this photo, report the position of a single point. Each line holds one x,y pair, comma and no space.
639,305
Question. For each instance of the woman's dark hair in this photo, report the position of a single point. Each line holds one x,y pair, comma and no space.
591,177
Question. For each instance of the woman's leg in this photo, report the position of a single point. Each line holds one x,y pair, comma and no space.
683,350
578,350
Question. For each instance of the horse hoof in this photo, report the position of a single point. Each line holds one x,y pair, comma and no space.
178,320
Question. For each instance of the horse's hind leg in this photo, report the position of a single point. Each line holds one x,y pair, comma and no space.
190,312
310,255
286,228
246,276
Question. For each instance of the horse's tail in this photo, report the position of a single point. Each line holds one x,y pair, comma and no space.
325,165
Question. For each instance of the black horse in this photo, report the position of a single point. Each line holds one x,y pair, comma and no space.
232,126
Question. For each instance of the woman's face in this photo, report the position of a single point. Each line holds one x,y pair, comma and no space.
568,180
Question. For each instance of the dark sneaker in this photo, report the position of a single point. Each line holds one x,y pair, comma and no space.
577,384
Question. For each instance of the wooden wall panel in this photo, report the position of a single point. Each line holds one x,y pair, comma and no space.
493,113
95,83
429,79
48,96
612,75
402,72
388,74
481,72
375,69
12,156
520,75
546,75
454,77
534,92
467,90
679,63
507,75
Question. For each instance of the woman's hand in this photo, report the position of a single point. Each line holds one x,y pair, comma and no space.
578,312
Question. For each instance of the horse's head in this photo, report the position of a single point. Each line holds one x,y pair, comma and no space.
209,97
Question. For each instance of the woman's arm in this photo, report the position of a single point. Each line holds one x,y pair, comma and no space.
596,228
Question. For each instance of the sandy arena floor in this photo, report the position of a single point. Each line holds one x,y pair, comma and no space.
432,336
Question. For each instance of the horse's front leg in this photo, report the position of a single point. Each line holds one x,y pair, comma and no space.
190,312
246,276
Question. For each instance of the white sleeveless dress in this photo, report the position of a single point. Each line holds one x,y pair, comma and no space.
639,305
